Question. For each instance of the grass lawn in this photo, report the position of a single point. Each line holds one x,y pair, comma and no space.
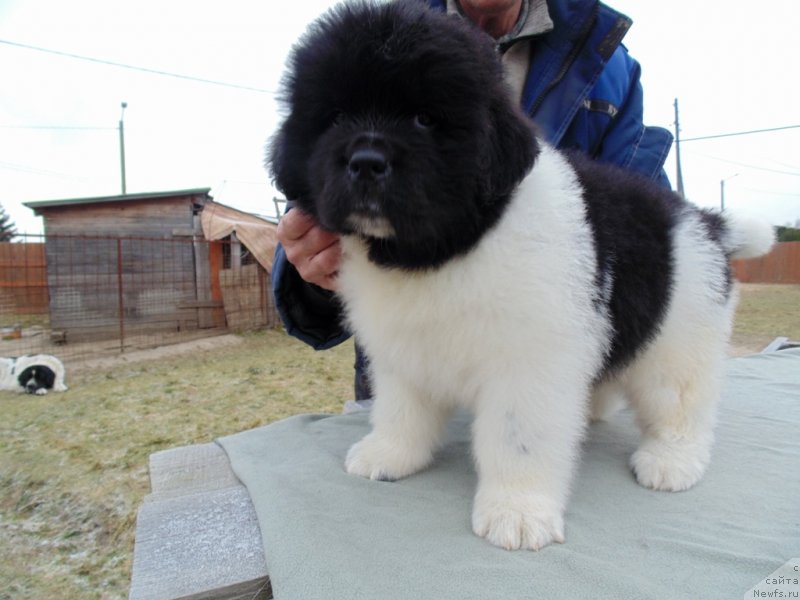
73,466
765,312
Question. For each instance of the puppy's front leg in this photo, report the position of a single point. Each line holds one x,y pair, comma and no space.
526,449
406,428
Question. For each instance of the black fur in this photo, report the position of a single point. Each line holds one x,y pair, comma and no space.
632,220
35,378
716,230
379,113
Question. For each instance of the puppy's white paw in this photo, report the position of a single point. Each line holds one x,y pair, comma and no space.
517,521
670,465
376,457
40,392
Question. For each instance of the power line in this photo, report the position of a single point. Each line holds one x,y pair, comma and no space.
136,68
723,135
772,193
37,171
65,127
740,164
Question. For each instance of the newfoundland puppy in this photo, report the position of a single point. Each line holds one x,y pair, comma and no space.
32,374
482,268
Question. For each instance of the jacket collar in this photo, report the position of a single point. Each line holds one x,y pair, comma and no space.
534,19
568,61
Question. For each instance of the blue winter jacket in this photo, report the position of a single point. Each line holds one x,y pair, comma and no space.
582,91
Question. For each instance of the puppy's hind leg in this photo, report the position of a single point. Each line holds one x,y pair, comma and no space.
674,391
674,386
406,429
608,397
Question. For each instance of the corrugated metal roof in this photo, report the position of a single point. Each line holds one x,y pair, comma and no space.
36,205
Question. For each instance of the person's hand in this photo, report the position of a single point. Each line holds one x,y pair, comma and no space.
313,251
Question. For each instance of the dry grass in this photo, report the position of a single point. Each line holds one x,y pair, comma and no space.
73,466
765,312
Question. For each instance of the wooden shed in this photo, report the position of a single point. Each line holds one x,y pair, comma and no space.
130,262
158,214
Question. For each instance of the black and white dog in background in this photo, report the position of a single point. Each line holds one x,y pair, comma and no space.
482,268
35,374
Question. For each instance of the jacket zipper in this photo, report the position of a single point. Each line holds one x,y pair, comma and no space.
573,54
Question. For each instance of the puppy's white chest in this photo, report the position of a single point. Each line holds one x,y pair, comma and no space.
419,322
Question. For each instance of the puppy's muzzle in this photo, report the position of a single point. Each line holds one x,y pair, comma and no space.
368,165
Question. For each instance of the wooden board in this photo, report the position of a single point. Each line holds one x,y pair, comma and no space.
197,535
244,294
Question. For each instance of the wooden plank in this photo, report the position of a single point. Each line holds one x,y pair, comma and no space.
139,217
199,546
183,232
189,470
202,262
215,260
201,304
197,535
244,297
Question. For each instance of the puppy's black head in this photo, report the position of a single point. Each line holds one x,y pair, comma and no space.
36,378
400,130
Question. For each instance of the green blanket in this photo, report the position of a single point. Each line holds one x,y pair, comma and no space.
330,535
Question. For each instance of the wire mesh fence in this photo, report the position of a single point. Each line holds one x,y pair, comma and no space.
84,296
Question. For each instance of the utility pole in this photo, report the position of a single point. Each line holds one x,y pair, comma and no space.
679,176
722,191
122,147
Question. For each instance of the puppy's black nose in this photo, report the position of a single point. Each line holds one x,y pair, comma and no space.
368,164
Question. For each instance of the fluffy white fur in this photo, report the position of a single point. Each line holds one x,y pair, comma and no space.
503,332
11,368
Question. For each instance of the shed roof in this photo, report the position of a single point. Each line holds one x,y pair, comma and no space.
259,235
39,204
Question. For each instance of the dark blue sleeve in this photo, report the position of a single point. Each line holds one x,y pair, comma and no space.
309,313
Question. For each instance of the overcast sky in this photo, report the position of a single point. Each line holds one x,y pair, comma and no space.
731,63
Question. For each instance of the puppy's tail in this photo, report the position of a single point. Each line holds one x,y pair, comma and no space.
746,237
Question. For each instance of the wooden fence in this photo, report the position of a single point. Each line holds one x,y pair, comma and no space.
78,296
782,265
23,279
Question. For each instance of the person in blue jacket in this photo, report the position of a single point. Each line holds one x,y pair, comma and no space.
574,79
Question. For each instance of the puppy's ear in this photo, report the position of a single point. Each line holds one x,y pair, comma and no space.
287,162
512,147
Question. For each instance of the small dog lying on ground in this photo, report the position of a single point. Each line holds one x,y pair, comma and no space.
35,374
482,268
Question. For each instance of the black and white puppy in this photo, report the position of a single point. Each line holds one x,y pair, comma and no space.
482,268
35,374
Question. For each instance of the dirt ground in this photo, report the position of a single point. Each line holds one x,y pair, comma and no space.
155,354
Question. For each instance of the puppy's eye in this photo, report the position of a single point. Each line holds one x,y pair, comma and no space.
423,121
